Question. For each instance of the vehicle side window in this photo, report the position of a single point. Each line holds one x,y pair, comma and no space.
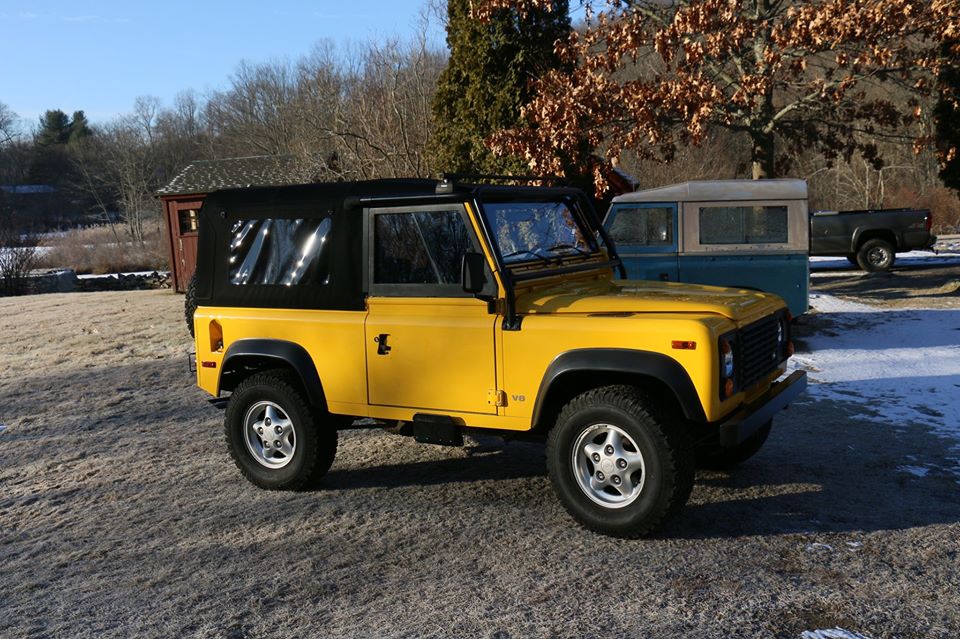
277,251
743,225
419,247
642,226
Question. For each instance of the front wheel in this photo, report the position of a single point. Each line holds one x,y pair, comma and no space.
273,436
619,466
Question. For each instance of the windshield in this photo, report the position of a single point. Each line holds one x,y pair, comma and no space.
538,231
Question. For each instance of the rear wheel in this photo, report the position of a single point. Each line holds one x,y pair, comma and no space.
273,436
619,466
876,255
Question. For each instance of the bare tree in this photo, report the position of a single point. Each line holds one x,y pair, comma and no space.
8,125
18,252
119,165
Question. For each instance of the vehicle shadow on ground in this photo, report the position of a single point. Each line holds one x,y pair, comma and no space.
491,460
902,282
898,323
826,468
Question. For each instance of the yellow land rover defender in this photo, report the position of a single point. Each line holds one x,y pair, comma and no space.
439,307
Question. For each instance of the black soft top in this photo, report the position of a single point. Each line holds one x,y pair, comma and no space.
342,287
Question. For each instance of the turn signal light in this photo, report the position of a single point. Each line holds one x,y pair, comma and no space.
207,363
684,345
728,388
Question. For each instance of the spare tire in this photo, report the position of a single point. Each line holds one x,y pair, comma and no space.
190,303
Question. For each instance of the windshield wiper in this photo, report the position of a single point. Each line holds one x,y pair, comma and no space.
558,247
543,259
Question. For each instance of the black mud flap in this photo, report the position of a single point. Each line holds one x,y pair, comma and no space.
437,429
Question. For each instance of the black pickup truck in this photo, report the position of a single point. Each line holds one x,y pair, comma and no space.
870,239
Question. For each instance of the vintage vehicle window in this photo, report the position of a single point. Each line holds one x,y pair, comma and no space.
645,226
419,247
538,230
276,251
743,225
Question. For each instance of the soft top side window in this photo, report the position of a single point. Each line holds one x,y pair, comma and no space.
277,251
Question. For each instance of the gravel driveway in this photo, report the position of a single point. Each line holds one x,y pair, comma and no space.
121,515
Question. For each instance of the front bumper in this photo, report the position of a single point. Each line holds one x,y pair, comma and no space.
751,417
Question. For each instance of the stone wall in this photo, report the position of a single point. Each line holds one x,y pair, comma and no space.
66,281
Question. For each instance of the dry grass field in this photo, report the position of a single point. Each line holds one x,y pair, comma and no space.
121,515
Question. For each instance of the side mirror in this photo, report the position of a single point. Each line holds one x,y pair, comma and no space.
472,272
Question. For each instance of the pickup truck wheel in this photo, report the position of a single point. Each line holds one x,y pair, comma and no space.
618,465
273,436
730,457
876,255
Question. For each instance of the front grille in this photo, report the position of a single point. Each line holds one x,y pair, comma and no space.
760,353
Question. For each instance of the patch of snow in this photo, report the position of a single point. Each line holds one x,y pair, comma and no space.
90,276
832,633
3,427
946,256
901,365
818,546
916,471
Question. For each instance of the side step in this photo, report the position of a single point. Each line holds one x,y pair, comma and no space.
437,429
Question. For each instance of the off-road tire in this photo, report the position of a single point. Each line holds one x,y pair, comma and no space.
663,443
731,457
190,303
876,255
316,438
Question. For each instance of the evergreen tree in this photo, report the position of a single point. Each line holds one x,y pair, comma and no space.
947,115
79,127
54,128
489,78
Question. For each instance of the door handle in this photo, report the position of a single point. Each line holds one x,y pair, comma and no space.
381,341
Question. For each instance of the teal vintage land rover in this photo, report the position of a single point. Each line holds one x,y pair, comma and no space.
749,234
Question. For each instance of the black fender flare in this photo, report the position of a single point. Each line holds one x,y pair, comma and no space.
621,360
884,234
284,353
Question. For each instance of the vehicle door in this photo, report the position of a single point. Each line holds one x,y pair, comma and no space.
429,345
646,237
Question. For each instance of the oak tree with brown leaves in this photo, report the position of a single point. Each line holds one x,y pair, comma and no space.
653,75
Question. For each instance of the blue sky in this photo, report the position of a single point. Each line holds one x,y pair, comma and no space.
99,56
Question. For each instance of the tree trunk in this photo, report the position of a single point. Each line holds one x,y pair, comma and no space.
762,154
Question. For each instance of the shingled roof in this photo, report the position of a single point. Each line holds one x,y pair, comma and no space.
206,176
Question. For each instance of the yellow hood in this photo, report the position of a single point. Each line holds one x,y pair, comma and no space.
641,296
